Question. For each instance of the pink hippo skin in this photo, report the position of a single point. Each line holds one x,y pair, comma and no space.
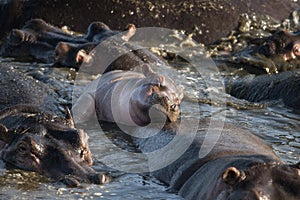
126,97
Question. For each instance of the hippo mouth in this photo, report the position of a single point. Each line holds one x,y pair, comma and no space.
170,111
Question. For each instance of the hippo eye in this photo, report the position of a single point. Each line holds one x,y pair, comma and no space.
155,97
22,148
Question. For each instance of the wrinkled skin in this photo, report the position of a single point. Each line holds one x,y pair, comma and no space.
276,53
126,98
284,86
35,136
240,166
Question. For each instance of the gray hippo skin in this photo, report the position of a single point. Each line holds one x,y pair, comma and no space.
35,136
240,166
284,86
126,97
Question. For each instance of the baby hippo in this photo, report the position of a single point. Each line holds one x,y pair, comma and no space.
130,98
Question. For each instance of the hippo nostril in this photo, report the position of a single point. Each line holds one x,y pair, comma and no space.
173,107
99,178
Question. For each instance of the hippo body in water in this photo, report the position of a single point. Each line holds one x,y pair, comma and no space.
41,42
35,136
268,55
105,44
284,86
239,166
204,18
36,41
126,97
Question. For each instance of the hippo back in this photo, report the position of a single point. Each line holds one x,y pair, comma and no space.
285,86
199,177
19,89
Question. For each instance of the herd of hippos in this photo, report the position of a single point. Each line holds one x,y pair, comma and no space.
36,136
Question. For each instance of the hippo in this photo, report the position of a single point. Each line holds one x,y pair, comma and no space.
128,55
36,41
267,55
126,97
284,86
239,166
41,42
35,136
282,43
205,19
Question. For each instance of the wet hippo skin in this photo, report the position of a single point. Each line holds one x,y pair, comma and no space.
36,41
240,166
39,41
267,55
126,97
284,86
35,136
204,18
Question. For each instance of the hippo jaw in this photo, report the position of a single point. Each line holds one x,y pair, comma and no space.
150,103
168,104
49,145
263,181
52,157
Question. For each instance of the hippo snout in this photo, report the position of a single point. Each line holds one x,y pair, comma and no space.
99,178
74,181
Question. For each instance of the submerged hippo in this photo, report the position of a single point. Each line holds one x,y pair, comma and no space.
284,86
35,136
276,53
101,47
41,42
36,41
239,166
204,18
126,97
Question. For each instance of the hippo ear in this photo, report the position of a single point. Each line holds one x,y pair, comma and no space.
4,134
232,175
83,57
69,117
155,79
130,28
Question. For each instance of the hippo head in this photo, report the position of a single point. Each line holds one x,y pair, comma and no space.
158,93
47,144
68,54
263,181
282,43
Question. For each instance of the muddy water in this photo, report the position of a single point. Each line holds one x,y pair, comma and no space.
274,123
